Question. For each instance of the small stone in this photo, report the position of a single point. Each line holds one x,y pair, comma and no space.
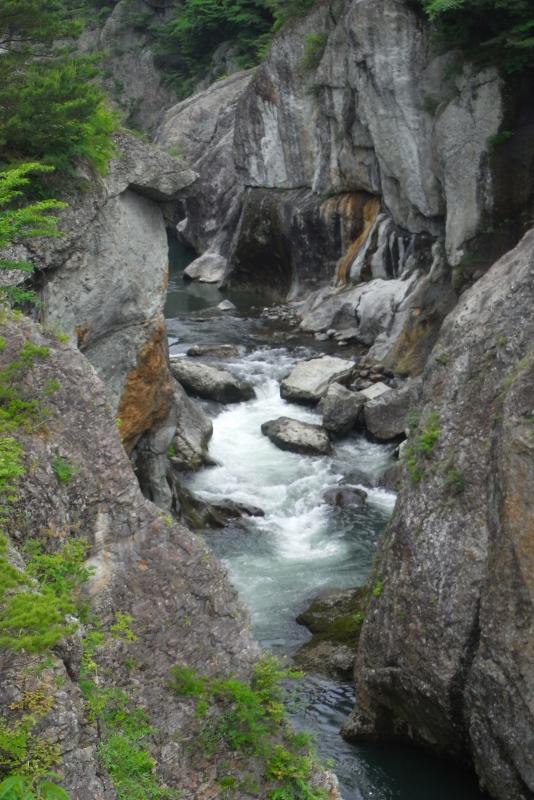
226,305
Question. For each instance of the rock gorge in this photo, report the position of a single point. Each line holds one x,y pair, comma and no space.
372,191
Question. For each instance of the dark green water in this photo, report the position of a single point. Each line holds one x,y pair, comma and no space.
301,546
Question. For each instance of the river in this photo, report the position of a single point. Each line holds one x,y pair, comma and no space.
301,546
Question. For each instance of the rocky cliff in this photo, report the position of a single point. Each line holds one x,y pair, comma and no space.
363,159
146,568
446,656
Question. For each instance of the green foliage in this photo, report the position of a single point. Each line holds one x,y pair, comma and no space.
454,480
187,40
490,31
19,787
249,720
424,439
19,222
122,628
50,108
23,753
62,469
499,138
124,735
56,114
314,47
34,602
378,588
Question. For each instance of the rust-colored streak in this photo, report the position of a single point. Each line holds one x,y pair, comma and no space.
370,213
147,392
82,332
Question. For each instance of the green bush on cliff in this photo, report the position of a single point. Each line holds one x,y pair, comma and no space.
50,108
186,42
499,32
249,720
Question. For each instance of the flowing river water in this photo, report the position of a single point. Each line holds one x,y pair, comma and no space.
301,547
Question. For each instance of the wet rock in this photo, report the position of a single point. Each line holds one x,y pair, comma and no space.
214,351
208,268
200,514
210,383
296,436
309,380
340,408
345,496
335,620
194,430
226,305
385,415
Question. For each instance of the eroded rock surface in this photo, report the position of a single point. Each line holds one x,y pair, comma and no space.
446,655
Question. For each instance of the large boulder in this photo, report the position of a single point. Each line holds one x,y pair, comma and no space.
208,268
335,619
211,383
309,380
194,430
297,437
386,416
341,409
446,652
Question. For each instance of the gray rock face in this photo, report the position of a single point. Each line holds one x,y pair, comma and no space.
386,416
309,380
446,651
106,277
146,566
201,129
132,80
340,409
210,383
297,437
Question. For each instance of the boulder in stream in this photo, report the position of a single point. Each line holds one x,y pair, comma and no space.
309,380
335,620
208,268
340,409
210,383
214,350
385,416
194,429
345,496
297,437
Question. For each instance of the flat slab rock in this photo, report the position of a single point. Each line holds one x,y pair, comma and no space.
309,380
210,383
297,437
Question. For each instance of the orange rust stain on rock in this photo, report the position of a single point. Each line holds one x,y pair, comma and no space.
147,393
82,332
370,212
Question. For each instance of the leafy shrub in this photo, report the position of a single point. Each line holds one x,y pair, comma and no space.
491,31
19,787
314,47
62,469
249,719
421,446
